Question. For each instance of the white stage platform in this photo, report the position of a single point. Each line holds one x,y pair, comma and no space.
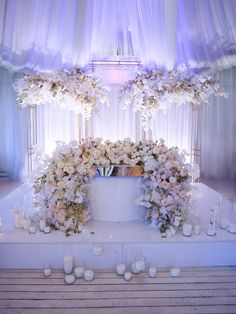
120,241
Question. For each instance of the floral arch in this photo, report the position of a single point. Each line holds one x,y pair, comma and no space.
61,189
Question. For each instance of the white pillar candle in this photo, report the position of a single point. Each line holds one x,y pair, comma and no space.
175,272
134,269
79,272
196,229
88,275
18,219
0,225
140,265
26,224
152,272
120,269
47,272
97,250
68,264
47,229
187,230
69,279
127,276
32,229
42,224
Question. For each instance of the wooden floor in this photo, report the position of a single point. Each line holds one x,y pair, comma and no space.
197,290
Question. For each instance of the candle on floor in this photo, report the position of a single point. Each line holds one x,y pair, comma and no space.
152,272
128,276
68,264
88,275
120,269
175,272
47,272
69,279
79,272
134,268
140,265
187,230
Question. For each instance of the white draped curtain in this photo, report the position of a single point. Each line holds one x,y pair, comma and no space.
218,130
14,128
53,34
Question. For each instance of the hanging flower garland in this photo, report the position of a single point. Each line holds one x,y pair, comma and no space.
73,90
61,188
153,90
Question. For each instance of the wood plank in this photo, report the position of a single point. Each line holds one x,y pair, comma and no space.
121,287
86,295
226,309
161,269
160,274
117,280
127,302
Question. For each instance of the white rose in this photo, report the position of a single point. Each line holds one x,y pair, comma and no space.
81,169
61,185
168,165
59,195
61,165
172,180
70,169
162,158
164,202
61,217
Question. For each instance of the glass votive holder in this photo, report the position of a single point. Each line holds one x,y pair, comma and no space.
211,230
32,228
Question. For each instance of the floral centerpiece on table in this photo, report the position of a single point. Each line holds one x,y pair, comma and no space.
61,189
153,90
73,90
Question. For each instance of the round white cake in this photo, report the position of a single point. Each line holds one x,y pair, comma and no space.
113,199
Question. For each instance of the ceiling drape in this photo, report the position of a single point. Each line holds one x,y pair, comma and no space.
52,34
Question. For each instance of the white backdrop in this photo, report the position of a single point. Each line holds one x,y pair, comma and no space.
54,34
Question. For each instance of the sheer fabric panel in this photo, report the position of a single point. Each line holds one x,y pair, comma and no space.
13,135
218,140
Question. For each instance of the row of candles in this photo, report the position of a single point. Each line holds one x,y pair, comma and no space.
137,267
29,224
188,229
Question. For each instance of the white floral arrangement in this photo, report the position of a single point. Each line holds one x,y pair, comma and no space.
61,189
73,90
153,90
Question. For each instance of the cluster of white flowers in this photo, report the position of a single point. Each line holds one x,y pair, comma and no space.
61,190
153,90
73,90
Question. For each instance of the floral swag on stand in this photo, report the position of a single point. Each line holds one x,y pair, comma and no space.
72,90
153,90
61,188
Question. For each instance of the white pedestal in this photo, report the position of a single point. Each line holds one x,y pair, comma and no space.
113,199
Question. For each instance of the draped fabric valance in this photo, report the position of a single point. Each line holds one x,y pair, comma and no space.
55,34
